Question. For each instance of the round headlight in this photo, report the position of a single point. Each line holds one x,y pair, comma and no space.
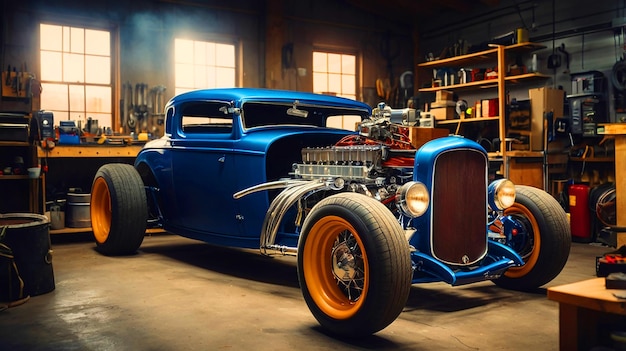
338,183
412,199
501,194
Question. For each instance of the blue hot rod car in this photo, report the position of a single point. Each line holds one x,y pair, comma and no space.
366,214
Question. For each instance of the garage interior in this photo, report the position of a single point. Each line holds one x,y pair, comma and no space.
563,130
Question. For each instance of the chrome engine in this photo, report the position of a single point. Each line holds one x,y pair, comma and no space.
358,162
367,157
365,167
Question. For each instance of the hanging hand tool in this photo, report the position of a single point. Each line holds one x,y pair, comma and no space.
562,50
7,79
586,153
123,109
130,103
380,88
389,52
14,81
143,107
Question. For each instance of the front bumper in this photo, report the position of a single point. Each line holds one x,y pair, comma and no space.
498,259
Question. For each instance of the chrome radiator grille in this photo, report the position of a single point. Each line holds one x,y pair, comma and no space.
459,207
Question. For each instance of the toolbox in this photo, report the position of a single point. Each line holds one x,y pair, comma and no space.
611,262
14,127
68,133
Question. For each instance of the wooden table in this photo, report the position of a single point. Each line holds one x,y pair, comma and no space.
586,312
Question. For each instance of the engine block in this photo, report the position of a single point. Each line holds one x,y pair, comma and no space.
353,162
367,155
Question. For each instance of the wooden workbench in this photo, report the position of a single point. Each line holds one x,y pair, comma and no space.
587,310
76,165
91,151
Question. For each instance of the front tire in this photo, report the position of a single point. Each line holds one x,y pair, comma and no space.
119,210
354,265
548,239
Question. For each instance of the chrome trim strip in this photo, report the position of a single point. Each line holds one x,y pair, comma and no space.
278,184
293,191
279,207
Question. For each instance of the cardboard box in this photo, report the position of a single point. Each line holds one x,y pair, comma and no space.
442,113
420,136
489,108
443,95
542,101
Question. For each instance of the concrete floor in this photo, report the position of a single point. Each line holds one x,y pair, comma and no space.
179,294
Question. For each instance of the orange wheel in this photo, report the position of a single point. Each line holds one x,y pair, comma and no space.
530,252
119,210
544,243
100,210
337,266
354,264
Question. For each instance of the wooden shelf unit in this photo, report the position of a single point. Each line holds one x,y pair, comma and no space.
489,83
23,190
468,120
496,55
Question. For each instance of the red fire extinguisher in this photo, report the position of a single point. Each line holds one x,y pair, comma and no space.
579,211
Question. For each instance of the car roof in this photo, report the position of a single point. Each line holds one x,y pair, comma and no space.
241,95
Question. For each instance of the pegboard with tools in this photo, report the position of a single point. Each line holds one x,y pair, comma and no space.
16,83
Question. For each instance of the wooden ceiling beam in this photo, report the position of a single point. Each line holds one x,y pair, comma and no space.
456,5
418,8
491,2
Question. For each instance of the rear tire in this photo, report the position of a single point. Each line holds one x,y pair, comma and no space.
119,209
549,239
354,265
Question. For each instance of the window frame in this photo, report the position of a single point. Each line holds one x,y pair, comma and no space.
339,51
225,40
114,72
343,122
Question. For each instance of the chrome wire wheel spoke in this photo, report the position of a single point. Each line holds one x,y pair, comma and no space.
348,265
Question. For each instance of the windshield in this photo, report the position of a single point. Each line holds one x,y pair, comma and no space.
257,114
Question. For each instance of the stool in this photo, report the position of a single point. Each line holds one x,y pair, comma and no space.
557,187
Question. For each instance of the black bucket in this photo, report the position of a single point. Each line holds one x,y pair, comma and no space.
27,235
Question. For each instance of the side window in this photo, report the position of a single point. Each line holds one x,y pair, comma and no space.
206,118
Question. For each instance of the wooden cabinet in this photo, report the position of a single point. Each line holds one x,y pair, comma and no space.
499,57
20,191
540,169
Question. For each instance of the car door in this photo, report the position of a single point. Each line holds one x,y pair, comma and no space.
203,171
